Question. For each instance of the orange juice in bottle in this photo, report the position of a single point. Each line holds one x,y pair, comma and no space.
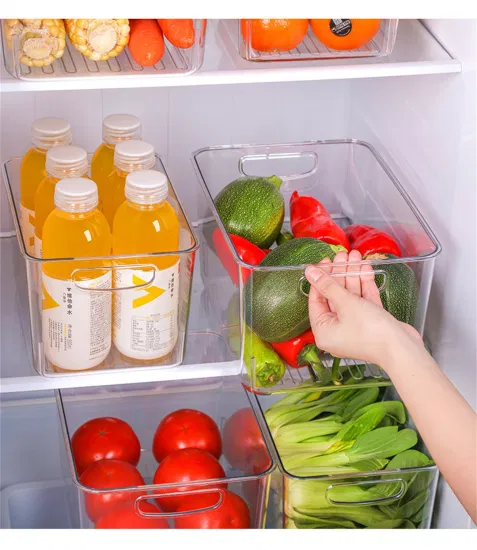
145,320
64,162
129,156
76,323
45,134
116,128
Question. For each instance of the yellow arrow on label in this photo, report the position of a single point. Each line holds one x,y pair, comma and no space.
31,219
152,293
47,302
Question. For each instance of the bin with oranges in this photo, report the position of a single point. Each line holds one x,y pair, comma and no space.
306,39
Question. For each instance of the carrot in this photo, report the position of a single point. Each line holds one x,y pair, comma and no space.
146,42
179,32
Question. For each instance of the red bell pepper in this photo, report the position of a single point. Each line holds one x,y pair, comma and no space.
369,240
290,350
247,251
309,218
301,351
302,208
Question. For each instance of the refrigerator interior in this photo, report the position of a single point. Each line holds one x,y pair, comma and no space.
423,126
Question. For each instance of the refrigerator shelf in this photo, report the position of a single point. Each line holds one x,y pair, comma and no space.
416,52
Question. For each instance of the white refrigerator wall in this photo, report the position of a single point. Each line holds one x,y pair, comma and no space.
425,127
180,120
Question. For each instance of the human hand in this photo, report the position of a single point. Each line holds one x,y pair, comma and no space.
346,313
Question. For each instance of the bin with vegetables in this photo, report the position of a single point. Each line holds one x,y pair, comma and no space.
49,48
271,210
349,460
171,456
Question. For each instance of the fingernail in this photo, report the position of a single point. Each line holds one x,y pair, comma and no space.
313,274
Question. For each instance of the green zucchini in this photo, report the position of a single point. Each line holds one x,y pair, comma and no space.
276,307
400,295
253,208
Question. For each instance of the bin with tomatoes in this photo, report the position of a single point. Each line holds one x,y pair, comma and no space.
181,457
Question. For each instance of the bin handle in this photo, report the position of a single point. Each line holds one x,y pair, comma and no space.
142,267
380,500
381,287
221,494
278,156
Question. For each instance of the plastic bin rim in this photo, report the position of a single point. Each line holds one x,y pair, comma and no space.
337,477
34,259
150,487
346,141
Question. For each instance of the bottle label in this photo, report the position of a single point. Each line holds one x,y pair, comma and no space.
76,324
145,321
38,247
27,224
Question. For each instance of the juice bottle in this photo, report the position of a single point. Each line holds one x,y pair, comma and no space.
76,324
45,134
116,128
145,321
61,162
129,156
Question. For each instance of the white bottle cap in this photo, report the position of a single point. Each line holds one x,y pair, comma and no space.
66,161
49,132
76,195
117,128
146,187
134,154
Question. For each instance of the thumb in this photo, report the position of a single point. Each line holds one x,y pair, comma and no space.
327,287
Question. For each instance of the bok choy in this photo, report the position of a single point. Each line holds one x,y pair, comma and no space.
351,433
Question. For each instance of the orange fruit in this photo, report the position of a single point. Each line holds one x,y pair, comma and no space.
344,34
274,35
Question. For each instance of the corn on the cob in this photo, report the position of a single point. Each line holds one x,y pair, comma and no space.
41,41
98,39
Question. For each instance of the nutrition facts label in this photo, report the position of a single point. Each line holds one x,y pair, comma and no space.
145,320
153,332
76,324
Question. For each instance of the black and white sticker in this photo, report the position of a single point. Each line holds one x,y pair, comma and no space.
340,27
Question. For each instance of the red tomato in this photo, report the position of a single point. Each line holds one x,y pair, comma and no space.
104,438
124,516
186,429
183,466
109,474
232,513
244,446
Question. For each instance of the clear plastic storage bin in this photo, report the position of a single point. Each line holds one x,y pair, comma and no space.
311,48
187,247
391,498
143,407
356,187
175,61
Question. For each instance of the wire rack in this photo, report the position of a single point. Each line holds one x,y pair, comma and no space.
311,48
73,64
